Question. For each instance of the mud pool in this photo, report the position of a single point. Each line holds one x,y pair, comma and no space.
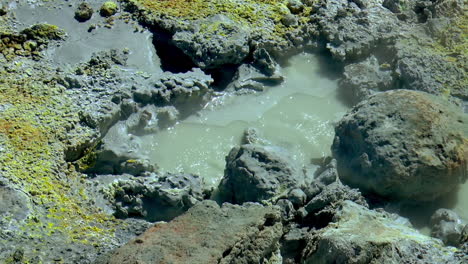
83,42
297,115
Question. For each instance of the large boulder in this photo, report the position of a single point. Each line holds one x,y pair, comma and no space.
359,235
403,144
257,173
207,233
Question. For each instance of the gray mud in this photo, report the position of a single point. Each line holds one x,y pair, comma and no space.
82,43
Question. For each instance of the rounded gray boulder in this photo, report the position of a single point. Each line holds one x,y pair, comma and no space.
447,226
403,144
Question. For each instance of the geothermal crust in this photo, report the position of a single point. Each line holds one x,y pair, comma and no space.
75,188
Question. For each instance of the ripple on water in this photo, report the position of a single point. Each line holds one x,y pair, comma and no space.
297,115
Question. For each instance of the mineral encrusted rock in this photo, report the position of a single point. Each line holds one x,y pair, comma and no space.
426,53
447,226
84,12
14,207
359,235
360,80
403,144
30,41
108,9
207,233
52,116
153,198
213,42
331,195
256,173
187,92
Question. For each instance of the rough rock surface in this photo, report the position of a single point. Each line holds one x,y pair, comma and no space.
256,173
360,80
213,42
426,53
51,117
328,199
324,175
250,77
403,144
84,12
14,208
108,9
447,226
152,198
354,29
117,153
114,110
359,235
207,233
30,41
186,91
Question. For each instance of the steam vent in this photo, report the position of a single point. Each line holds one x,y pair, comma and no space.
233,131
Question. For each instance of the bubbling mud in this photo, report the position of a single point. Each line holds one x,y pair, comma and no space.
298,115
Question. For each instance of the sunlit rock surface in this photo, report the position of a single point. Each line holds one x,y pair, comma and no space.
255,173
403,144
207,233
358,235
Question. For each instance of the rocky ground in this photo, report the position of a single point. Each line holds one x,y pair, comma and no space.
74,187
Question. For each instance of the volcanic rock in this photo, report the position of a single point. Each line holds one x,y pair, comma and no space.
403,144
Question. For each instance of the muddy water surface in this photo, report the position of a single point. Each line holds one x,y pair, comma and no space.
297,115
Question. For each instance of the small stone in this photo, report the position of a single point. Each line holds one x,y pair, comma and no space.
30,45
108,9
295,6
84,12
447,226
92,27
289,20
3,10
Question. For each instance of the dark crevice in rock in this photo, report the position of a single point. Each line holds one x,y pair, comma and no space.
172,58
222,76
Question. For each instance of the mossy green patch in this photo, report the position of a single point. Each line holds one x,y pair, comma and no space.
35,118
109,8
260,15
453,46
29,41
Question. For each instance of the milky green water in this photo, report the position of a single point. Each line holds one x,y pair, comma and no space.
297,115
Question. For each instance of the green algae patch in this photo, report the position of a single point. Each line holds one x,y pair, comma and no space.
452,44
108,9
29,42
263,16
35,117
